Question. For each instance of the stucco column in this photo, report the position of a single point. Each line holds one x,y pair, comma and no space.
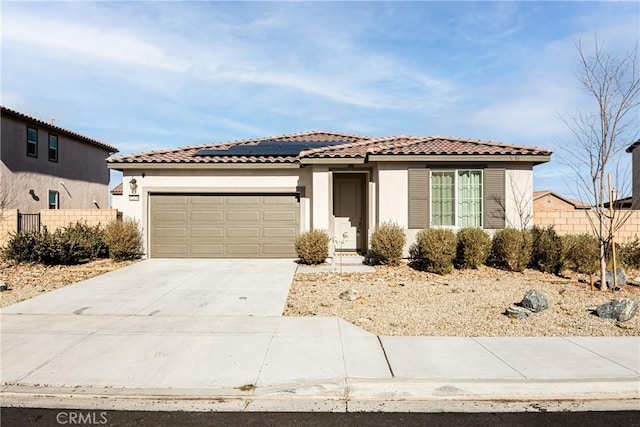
320,198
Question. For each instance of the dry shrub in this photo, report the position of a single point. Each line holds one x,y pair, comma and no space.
582,253
312,247
511,249
124,240
387,242
434,250
474,245
629,253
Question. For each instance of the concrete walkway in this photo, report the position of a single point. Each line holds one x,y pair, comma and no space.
161,356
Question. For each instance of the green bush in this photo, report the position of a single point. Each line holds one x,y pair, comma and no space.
21,247
473,247
547,254
629,253
90,239
387,242
511,249
582,253
124,240
312,247
434,250
44,247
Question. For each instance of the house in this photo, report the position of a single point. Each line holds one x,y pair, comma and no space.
251,198
44,166
116,197
544,201
634,149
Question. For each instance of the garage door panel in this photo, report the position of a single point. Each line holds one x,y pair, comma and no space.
237,216
206,233
232,226
207,216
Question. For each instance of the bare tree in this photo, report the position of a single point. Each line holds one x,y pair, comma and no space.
612,81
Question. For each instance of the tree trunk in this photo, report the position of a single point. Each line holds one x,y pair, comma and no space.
603,267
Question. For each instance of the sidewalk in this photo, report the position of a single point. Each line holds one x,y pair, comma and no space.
249,363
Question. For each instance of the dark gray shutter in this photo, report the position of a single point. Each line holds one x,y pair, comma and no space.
494,198
419,198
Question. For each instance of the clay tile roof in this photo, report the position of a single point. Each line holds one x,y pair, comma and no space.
188,154
117,190
13,113
351,146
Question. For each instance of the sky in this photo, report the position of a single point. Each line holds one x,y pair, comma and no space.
162,74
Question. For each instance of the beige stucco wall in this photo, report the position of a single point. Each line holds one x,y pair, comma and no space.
518,187
577,222
635,160
549,202
80,175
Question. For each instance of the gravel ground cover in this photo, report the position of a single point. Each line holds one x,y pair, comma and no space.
403,301
29,280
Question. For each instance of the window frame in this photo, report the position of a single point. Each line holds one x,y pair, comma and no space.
57,149
57,203
30,143
456,171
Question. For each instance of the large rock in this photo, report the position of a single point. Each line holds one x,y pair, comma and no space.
621,277
621,310
350,295
534,301
634,282
517,312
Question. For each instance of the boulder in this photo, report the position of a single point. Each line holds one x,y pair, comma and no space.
621,277
3,286
534,301
517,312
349,295
621,310
634,282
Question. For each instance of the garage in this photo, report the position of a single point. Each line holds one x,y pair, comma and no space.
223,225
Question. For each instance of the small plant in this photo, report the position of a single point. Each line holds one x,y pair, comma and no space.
547,253
629,253
511,249
312,247
124,240
474,246
387,243
90,239
21,247
434,250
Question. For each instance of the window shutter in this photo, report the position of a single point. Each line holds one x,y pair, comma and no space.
419,198
494,198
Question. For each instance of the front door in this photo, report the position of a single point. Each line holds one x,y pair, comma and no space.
348,202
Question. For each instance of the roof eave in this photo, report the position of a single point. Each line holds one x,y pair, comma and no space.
521,158
166,165
332,161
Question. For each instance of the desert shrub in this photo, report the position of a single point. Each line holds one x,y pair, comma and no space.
21,247
387,242
582,253
90,239
312,247
123,239
434,250
629,253
547,254
511,249
473,247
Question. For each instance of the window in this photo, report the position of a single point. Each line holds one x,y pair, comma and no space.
456,198
54,200
53,148
32,142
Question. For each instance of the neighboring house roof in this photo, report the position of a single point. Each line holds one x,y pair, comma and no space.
12,113
575,203
117,190
633,146
624,203
344,146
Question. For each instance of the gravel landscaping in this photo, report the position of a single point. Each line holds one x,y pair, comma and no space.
29,280
403,301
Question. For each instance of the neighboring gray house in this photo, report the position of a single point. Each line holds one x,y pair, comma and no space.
634,149
251,198
45,166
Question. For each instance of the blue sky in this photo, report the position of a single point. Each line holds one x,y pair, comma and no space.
151,75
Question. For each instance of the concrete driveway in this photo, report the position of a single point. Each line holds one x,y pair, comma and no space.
174,287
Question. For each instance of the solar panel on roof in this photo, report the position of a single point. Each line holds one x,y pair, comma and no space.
270,148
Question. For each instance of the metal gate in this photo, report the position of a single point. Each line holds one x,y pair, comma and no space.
28,222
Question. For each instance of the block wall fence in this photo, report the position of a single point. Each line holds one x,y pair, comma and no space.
577,221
